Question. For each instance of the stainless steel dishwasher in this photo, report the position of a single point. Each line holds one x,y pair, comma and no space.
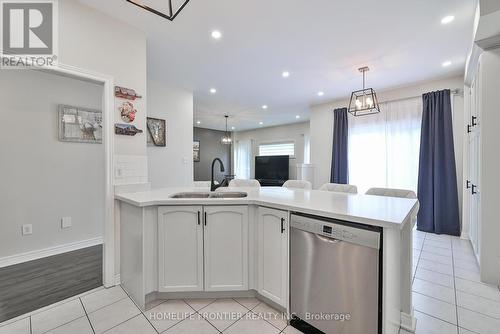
335,279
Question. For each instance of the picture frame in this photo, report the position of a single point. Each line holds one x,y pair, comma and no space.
157,132
79,125
196,151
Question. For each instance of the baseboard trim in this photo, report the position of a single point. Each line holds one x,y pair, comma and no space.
39,254
409,322
118,280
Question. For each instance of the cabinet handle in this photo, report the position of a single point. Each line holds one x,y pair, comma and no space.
467,184
474,189
282,225
205,218
199,219
469,128
474,118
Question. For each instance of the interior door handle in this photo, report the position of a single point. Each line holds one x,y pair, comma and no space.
282,225
474,118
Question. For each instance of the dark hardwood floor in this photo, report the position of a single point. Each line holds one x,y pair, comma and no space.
28,286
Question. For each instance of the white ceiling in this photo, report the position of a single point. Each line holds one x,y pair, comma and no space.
321,43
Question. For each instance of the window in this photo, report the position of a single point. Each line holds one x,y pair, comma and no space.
384,148
286,148
243,158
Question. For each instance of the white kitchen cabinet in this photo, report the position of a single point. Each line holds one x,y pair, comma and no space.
180,248
272,258
226,248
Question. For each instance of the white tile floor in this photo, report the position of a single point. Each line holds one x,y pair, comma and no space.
111,311
447,296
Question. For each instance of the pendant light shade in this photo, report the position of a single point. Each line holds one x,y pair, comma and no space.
364,101
168,9
226,138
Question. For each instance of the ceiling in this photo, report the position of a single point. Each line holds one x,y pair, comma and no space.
321,43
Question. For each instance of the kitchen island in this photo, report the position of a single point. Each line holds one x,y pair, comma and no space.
239,246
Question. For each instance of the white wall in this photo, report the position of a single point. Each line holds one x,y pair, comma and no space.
171,165
322,125
44,179
490,165
96,42
489,6
290,132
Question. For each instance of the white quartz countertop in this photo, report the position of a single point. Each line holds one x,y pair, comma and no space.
381,211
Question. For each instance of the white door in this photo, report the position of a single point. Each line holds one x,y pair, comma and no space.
226,248
180,247
474,165
272,260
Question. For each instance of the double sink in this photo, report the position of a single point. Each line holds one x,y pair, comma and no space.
233,194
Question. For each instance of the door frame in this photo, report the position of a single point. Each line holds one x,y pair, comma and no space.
108,269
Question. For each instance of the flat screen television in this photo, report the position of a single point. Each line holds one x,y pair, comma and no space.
272,170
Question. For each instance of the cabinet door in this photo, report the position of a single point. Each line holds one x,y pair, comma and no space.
226,248
273,254
180,247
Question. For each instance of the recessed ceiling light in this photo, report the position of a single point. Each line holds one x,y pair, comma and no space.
447,19
285,74
264,106
261,123
216,34
297,116
446,63
321,93
198,122
213,90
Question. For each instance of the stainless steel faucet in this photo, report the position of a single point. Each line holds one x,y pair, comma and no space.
213,186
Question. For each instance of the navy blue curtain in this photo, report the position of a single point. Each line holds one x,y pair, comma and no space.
339,151
437,175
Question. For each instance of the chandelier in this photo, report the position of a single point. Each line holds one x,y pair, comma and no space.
226,138
364,101
168,10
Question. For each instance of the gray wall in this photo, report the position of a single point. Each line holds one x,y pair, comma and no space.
210,148
43,179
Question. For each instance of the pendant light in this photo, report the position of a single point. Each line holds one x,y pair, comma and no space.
226,138
364,101
168,9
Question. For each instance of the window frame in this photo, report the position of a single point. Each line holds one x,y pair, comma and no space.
277,142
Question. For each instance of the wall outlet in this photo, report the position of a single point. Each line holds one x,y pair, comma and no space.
27,229
66,222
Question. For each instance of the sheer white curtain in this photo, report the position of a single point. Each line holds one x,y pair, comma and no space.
384,148
243,159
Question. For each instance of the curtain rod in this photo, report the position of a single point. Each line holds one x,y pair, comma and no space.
454,92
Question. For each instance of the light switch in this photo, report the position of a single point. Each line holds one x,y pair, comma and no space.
66,222
27,229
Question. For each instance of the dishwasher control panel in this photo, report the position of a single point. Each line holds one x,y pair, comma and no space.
337,231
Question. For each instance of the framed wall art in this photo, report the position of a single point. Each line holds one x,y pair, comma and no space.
80,125
196,151
157,132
